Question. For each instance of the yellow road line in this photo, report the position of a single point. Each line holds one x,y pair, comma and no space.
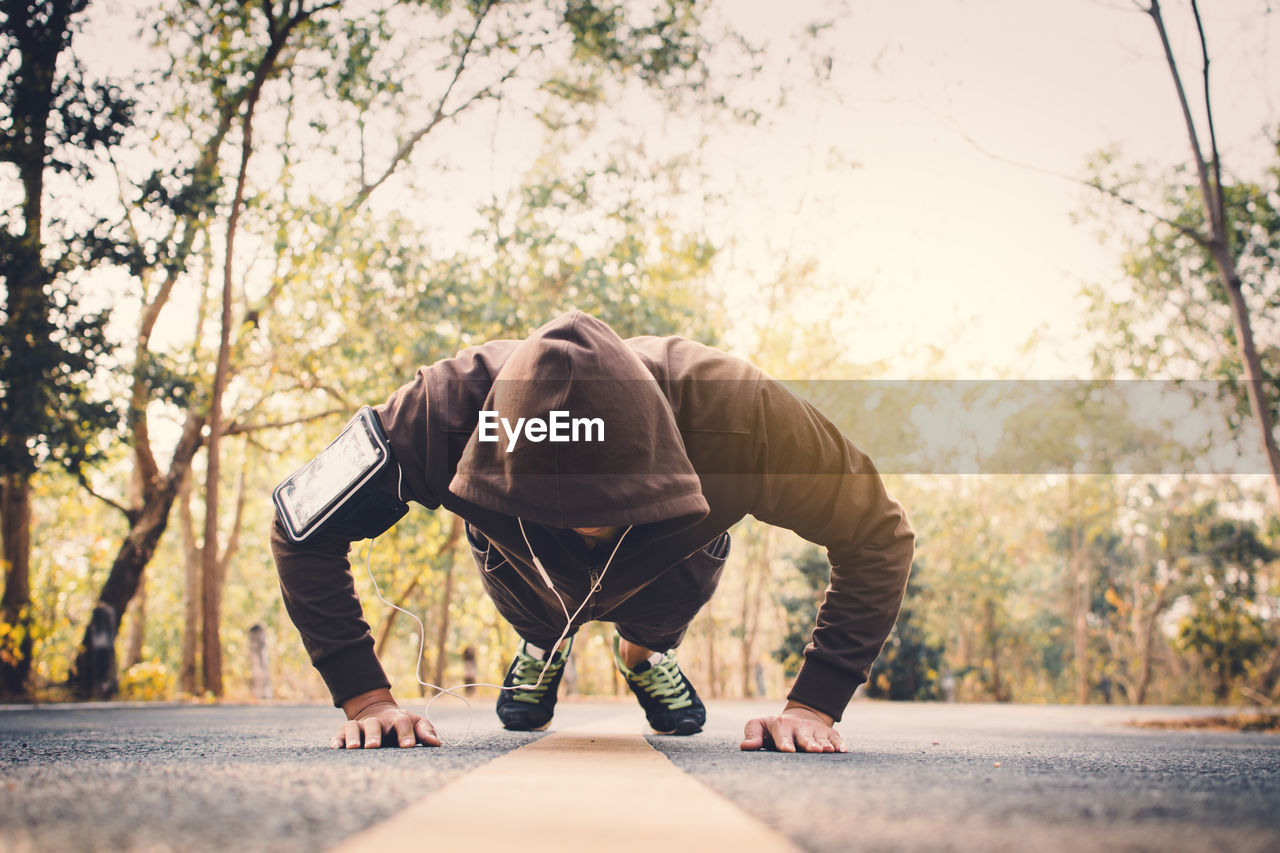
593,788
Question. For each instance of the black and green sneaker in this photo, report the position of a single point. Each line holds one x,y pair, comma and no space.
669,700
530,708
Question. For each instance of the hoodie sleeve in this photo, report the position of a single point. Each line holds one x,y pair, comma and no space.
315,576
320,597
816,483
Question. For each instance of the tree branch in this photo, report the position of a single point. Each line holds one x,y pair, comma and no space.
304,14
1215,223
1189,233
1218,200
1096,185
144,458
237,522
236,428
437,116
84,484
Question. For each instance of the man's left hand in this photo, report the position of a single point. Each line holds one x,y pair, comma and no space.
798,728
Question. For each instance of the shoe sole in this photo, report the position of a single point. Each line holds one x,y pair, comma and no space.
540,728
682,730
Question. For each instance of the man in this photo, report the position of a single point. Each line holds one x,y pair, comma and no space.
597,478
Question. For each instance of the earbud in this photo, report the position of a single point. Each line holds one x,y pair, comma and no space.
546,578
537,564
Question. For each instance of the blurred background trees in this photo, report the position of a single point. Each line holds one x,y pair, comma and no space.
58,122
300,202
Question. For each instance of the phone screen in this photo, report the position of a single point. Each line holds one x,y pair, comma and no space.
318,488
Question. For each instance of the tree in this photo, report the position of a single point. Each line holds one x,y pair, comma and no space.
1213,247
55,121
909,666
813,572
350,110
1225,627
189,202
994,604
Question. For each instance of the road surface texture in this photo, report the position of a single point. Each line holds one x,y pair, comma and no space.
917,777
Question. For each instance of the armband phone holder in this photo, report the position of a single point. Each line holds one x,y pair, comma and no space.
337,491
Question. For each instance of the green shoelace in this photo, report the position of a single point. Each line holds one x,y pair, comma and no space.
664,682
528,669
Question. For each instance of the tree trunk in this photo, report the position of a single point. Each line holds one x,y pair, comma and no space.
137,625
384,633
15,608
1267,682
259,663
1253,376
993,650
442,628
446,599
442,625
760,552
39,35
189,672
212,567
146,527
1149,643
1219,240
1080,632
1079,597
1221,683
1144,670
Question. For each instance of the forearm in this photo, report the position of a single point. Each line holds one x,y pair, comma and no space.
320,597
828,491
856,616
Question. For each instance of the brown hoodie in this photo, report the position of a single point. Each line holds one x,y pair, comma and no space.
693,440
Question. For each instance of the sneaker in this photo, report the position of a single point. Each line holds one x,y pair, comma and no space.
669,700
530,708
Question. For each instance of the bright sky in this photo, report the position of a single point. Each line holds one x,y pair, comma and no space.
964,250
878,175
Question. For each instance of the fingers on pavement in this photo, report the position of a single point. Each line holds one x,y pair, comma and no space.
350,737
752,736
404,730
783,735
425,733
372,733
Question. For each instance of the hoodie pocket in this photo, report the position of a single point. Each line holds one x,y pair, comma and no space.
718,548
481,549
664,608
516,603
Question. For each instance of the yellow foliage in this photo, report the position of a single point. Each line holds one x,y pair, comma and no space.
11,639
146,681
1114,599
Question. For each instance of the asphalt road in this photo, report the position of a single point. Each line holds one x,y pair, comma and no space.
917,777
931,777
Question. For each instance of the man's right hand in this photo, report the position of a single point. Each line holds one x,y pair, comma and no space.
373,715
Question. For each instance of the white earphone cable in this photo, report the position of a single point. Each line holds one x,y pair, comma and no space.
550,653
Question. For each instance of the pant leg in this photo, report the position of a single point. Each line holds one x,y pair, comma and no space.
657,617
526,613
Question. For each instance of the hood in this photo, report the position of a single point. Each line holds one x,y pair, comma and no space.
608,451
